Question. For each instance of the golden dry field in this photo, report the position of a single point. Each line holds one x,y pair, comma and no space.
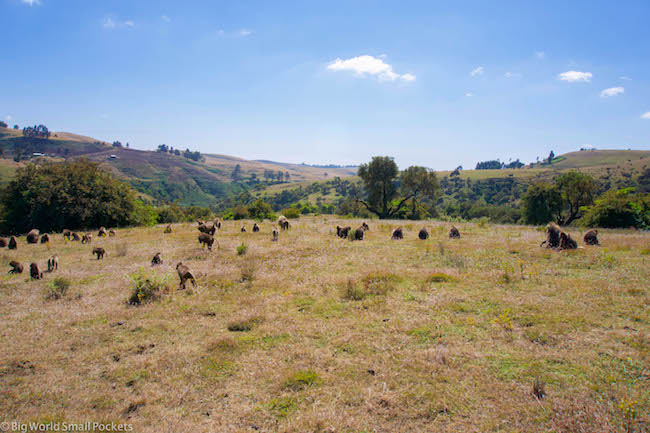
319,334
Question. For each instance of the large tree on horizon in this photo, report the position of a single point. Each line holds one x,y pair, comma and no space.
380,181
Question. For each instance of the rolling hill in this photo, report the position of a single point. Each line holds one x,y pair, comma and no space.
160,177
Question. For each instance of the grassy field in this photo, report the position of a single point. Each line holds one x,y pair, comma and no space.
316,333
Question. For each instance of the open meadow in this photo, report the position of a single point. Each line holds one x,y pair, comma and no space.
314,333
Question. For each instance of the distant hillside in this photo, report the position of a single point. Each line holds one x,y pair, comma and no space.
161,177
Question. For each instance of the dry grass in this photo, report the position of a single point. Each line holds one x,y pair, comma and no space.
432,337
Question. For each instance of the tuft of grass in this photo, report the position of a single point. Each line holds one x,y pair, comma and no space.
380,283
248,269
538,388
353,291
57,288
245,325
242,249
147,288
224,345
282,407
439,277
301,380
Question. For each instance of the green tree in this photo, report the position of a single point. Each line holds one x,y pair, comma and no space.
236,173
2,124
542,203
379,179
259,210
73,194
418,181
577,190
622,209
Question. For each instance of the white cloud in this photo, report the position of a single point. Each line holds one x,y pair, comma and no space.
366,65
540,55
646,115
469,94
244,32
9,118
624,78
241,33
478,71
575,76
110,23
31,2
612,91
513,75
166,19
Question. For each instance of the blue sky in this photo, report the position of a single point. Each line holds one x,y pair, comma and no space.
432,83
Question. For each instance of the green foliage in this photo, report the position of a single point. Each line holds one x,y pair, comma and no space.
542,203
260,210
2,124
147,288
242,249
57,288
291,212
577,190
74,194
301,380
245,325
623,208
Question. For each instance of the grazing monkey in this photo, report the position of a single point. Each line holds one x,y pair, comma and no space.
13,243
3,242
283,222
591,237
87,238
256,228
157,260
454,233
424,234
168,229
397,234
53,263
567,243
102,232
111,232
32,236
100,252
67,234
35,272
342,232
45,239
243,229
208,229
217,223
185,273
76,237
275,233
17,268
206,239
365,226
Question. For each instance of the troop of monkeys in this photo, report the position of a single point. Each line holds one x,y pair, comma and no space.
397,234
556,238
34,236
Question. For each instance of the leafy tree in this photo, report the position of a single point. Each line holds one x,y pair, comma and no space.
236,173
16,127
489,165
259,210
39,131
379,179
542,203
279,175
117,144
162,148
287,177
622,208
417,181
577,191
73,194
3,124
550,157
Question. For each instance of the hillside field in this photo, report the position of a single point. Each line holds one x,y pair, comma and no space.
319,334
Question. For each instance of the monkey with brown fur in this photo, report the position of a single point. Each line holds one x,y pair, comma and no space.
157,260
45,239
342,232
243,229
423,234
76,237
32,236
208,229
256,228
591,237
283,222
111,233
100,252
454,233
102,232
35,272
365,226
553,232
13,243
217,223
87,238
168,229
185,273
357,235
567,243
53,263
275,234
206,239
397,234
3,242
17,268
66,234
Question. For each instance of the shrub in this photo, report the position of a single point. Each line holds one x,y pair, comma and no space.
259,210
242,249
440,277
621,208
301,380
57,288
291,213
148,287
248,268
